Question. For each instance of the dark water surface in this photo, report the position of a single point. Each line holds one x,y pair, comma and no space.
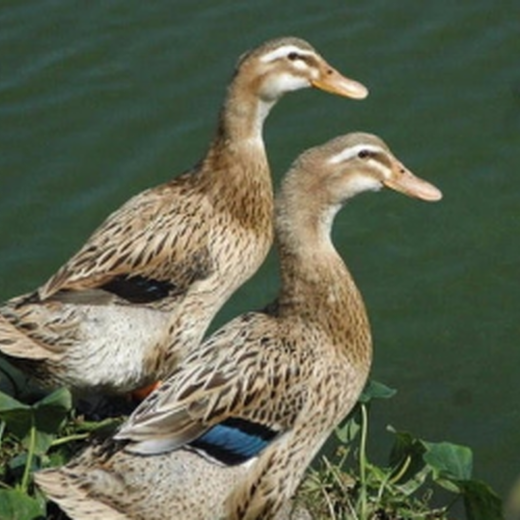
100,100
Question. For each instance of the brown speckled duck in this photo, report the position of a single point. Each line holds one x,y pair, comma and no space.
165,262
231,432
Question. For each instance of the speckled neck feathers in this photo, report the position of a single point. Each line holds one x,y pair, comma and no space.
316,283
235,169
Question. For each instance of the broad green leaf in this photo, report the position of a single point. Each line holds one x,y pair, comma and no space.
348,431
375,390
15,505
406,459
11,379
16,415
42,442
46,415
481,502
49,414
448,461
58,402
10,403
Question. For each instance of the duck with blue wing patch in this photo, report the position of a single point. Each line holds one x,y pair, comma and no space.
231,432
234,441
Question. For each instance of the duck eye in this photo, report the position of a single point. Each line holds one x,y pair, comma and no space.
293,56
364,154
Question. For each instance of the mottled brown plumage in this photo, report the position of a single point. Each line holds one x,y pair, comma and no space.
231,432
147,283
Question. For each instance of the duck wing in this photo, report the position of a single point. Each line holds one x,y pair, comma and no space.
240,390
154,247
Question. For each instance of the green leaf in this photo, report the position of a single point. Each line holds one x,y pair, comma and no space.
449,462
52,410
375,390
47,415
481,502
42,442
11,379
15,505
59,399
16,415
405,445
407,462
10,403
348,431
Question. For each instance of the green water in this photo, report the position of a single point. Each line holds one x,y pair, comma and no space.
100,100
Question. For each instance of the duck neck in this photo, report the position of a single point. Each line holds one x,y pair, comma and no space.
244,111
311,270
236,167
316,284
241,121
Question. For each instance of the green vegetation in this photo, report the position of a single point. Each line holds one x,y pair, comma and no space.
38,431
349,487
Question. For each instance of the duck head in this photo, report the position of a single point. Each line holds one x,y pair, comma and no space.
354,163
287,64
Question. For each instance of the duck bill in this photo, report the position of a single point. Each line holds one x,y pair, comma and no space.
330,80
404,181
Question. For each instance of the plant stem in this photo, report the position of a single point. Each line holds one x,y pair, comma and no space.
30,454
363,463
402,471
382,488
70,438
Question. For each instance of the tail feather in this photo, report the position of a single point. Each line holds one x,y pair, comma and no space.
14,343
72,498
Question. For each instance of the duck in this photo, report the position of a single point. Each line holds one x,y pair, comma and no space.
164,263
231,432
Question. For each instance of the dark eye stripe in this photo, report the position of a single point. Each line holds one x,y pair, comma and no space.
308,59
